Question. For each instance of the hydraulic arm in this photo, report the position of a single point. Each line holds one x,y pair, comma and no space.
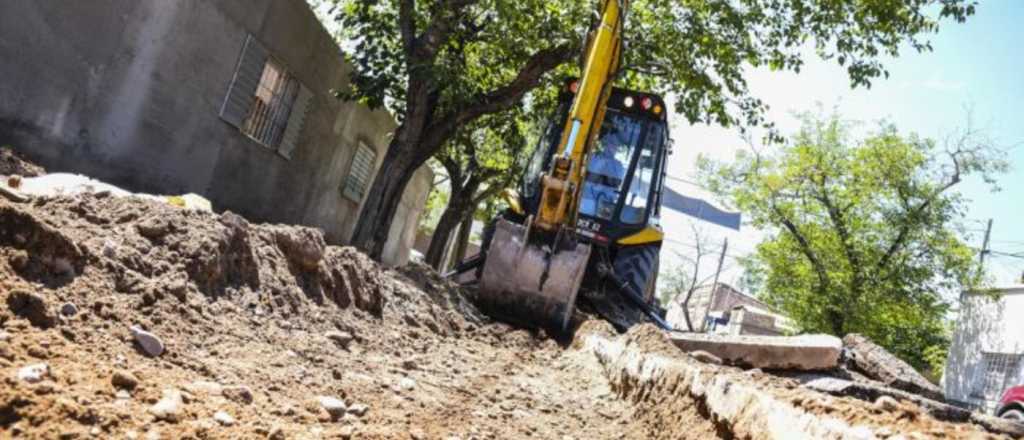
561,185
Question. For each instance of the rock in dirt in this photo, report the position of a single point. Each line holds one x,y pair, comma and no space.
153,228
69,310
805,352
406,384
150,343
705,357
334,406
887,403
358,409
4,336
34,373
347,432
304,247
277,434
124,380
224,418
877,363
238,394
169,407
12,163
340,338
30,306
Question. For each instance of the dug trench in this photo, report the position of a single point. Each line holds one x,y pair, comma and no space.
130,318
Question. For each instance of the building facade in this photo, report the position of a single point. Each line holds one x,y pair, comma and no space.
229,99
986,353
724,309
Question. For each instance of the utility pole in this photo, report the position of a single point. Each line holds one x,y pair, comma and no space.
714,286
984,246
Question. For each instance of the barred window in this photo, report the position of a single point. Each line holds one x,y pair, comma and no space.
268,115
360,173
999,371
265,101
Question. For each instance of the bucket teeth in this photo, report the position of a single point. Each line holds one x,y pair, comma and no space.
530,285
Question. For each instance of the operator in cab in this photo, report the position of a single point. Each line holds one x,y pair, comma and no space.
604,178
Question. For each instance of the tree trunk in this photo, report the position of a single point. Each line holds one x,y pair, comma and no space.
442,234
462,241
397,168
459,204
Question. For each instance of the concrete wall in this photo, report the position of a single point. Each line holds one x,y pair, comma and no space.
723,300
987,323
129,92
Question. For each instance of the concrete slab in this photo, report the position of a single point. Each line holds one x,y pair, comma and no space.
805,352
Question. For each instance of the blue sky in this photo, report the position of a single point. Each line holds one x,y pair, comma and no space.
978,65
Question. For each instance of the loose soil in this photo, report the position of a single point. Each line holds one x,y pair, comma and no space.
257,306
266,330
12,163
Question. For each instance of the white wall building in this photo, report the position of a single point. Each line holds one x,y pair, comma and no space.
987,348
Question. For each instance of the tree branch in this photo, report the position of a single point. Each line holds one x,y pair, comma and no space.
406,24
430,42
499,99
805,247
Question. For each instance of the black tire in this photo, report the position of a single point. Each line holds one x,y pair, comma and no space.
1013,414
638,265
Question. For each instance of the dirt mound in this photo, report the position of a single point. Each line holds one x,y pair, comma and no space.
128,318
131,318
12,163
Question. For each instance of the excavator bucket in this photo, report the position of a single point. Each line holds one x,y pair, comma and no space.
527,284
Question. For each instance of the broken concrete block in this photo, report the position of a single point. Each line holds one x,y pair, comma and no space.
876,363
806,352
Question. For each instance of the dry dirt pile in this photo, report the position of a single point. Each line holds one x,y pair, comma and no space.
130,318
265,332
12,163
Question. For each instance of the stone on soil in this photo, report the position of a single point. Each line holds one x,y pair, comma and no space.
224,418
358,409
334,406
238,394
877,363
34,373
68,310
169,407
124,380
150,343
705,357
340,338
30,306
806,352
406,384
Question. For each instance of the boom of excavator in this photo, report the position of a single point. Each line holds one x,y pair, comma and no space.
577,225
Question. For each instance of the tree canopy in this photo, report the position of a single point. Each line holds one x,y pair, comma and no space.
864,235
441,64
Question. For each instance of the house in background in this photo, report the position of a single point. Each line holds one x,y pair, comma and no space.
229,99
724,309
985,357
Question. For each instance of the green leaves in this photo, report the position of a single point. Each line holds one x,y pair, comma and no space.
862,233
701,48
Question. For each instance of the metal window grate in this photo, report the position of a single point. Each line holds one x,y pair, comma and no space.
268,115
360,173
1000,370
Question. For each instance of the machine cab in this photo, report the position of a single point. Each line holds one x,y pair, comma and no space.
621,191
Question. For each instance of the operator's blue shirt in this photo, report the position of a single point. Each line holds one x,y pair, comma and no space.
605,174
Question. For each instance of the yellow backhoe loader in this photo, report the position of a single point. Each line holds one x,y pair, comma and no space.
585,217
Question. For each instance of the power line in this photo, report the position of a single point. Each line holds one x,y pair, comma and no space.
1007,254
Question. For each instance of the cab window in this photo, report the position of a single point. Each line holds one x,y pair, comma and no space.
608,165
638,198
